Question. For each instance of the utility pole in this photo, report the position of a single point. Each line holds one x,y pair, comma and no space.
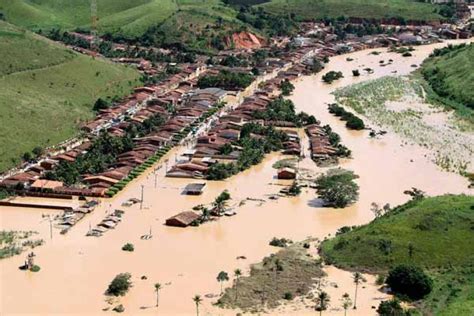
141,200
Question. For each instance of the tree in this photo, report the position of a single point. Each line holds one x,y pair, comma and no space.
390,308
411,250
416,194
197,300
337,187
409,281
27,156
100,104
237,274
120,285
346,302
322,302
157,290
357,277
220,203
38,151
222,277
286,87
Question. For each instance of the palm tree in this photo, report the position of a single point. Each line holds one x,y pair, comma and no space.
322,301
220,203
237,274
357,279
157,290
346,302
221,277
197,300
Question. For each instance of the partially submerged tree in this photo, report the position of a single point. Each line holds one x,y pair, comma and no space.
337,187
346,302
197,300
157,291
222,277
120,285
322,302
357,279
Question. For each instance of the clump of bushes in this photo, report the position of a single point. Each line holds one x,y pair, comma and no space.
352,121
128,247
280,242
35,268
332,76
409,281
120,285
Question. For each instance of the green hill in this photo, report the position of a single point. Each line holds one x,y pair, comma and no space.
440,231
449,72
127,17
314,9
47,90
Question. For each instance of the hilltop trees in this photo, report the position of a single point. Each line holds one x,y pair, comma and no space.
409,281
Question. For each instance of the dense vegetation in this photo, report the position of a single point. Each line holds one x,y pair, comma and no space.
281,109
449,73
434,234
48,90
252,152
352,121
103,152
227,80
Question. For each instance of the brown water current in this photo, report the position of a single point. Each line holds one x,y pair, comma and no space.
76,270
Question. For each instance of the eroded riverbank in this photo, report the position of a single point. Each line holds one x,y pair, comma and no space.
75,270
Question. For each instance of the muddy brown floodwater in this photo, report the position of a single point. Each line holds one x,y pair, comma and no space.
76,270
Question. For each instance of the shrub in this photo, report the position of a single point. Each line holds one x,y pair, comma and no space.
120,285
332,76
35,268
128,247
119,309
356,73
390,308
409,281
280,242
288,296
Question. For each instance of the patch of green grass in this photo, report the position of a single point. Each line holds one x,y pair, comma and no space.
440,230
47,91
316,9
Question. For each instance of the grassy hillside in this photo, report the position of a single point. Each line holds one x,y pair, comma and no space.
47,90
311,9
440,230
128,17
449,73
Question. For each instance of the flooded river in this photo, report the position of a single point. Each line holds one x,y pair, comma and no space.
76,270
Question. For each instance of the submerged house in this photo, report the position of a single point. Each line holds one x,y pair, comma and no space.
182,219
